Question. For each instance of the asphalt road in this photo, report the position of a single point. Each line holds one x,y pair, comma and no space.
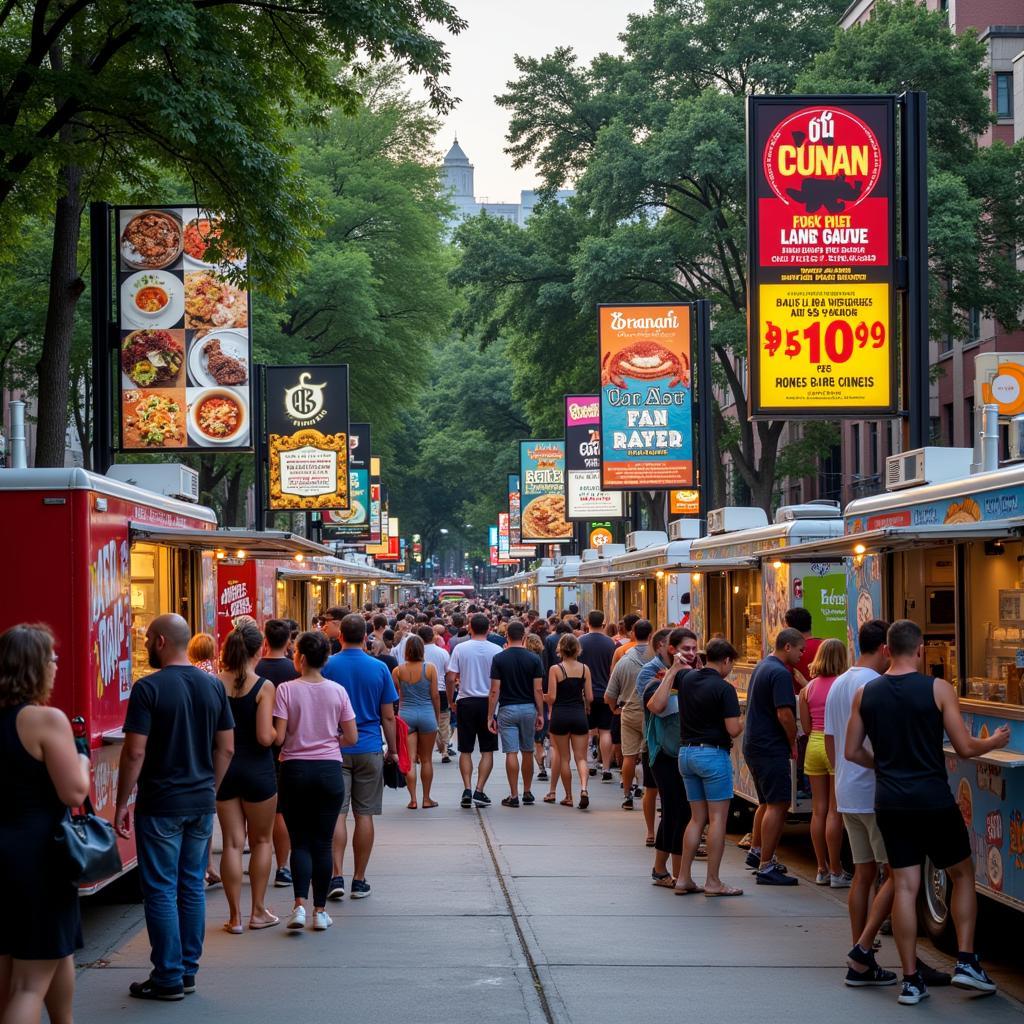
541,914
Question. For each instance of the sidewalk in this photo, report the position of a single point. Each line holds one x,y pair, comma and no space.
530,915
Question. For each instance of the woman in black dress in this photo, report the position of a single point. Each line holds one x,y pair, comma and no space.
247,798
43,775
569,696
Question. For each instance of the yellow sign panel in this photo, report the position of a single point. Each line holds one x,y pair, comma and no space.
824,345
684,503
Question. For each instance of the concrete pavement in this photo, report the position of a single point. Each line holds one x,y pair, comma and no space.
541,914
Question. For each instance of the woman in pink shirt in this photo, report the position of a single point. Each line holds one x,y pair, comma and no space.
831,660
310,714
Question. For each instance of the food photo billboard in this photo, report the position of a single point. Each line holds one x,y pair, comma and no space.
646,396
514,518
822,229
584,498
185,352
353,523
307,437
542,492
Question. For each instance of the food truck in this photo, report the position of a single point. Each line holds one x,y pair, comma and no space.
97,559
741,586
564,580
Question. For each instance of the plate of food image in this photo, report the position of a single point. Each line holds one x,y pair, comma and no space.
201,232
544,518
152,298
217,416
151,240
219,359
153,419
152,358
212,301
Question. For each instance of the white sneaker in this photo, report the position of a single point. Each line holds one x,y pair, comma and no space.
323,921
841,881
822,878
298,918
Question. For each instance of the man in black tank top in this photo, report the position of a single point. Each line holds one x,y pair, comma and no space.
904,714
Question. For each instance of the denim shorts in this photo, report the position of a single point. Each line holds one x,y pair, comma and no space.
516,725
419,717
706,772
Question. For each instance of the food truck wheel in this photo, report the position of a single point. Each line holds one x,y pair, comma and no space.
933,906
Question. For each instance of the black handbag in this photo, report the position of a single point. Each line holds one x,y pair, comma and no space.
393,778
88,847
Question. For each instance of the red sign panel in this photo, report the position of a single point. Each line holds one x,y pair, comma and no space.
236,594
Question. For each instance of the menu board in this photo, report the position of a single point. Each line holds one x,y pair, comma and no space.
308,437
822,256
185,354
503,538
492,544
353,523
584,498
514,517
542,492
646,397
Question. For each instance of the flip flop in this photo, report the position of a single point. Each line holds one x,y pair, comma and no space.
666,881
549,798
411,805
727,891
233,929
689,890
567,802
265,924
429,803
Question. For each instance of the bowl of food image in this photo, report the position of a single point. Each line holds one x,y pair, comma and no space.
218,416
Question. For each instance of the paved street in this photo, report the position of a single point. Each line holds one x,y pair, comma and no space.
540,914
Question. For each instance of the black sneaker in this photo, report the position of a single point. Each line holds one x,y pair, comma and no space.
753,859
872,976
529,798
931,977
606,776
467,798
282,878
771,875
970,974
337,889
913,990
627,804
360,889
510,801
188,983
480,798
148,990
542,775
446,759
593,772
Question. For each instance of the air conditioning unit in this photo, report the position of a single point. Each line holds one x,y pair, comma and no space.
612,550
822,509
1017,439
591,555
169,478
645,539
733,518
684,529
927,466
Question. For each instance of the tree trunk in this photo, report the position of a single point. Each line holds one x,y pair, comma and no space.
66,286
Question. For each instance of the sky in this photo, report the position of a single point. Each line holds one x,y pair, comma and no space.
482,62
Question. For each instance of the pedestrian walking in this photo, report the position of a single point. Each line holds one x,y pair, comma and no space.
470,670
830,662
515,709
435,654
44,775
247,796
596,652
622,697
373,695
769,749
904,714
657,685
310,714
709,711
179,740
535,643
569,696
419,707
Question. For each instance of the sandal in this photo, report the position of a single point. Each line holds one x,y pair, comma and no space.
233,929
567,802
688,890
726,891
665,881
549,798
427,804
584,799
411,805
257,925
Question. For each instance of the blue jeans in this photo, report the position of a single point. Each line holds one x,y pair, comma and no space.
706,772
172,870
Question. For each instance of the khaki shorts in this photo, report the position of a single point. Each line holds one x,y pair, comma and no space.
866,843
632,722
364,783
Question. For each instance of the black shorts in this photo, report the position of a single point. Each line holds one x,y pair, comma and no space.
472,727
600,714
616,729
251,783
773,779
648,774
910,836
569,721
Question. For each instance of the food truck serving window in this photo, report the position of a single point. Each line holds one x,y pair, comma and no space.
994,621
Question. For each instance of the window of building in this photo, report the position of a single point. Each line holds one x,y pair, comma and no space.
973,324
949,424
1004,95
855,440
830,474
873,465
944,5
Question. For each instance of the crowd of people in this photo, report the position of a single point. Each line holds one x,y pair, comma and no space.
282,733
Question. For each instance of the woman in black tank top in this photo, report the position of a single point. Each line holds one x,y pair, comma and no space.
247,798
569,696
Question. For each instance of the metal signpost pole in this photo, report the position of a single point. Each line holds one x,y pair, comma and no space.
102,387
914,221
260,450
705,398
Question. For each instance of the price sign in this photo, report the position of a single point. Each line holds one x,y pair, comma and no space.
821,256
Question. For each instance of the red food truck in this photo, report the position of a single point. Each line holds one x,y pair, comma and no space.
97,559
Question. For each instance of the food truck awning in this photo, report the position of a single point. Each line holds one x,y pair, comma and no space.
255,543
705,565
897,538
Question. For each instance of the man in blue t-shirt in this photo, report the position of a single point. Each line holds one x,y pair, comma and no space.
373,696
769,748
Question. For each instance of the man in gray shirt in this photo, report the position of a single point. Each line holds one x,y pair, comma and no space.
621,697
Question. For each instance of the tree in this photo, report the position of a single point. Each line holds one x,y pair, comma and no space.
99,92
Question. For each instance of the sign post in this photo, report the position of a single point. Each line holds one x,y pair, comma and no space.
102,387
705,411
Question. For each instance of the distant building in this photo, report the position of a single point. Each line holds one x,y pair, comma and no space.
457,175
